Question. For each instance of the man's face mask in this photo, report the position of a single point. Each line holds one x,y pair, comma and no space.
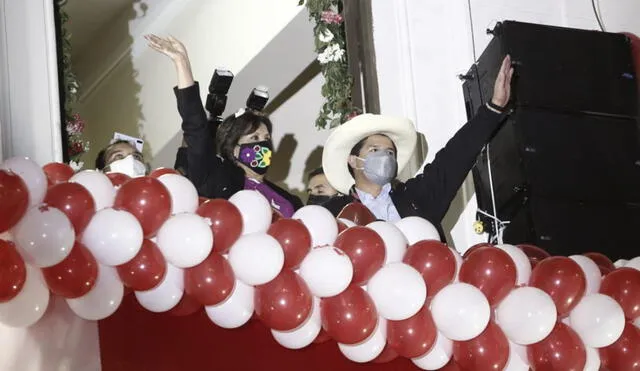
318,199
256,156
129,166
380,167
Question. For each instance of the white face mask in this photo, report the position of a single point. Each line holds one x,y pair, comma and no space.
128,166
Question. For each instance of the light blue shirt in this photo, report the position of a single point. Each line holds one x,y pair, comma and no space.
382,206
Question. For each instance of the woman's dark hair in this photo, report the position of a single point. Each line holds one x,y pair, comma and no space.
100,158
232,128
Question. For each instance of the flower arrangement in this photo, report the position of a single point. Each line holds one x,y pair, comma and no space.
74,124
330,44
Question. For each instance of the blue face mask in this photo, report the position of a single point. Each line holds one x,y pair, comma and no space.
380,167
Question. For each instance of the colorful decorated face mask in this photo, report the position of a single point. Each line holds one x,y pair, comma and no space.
256,156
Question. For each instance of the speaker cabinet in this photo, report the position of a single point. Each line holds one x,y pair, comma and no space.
565,166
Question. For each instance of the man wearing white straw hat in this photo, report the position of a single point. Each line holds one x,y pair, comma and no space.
362,157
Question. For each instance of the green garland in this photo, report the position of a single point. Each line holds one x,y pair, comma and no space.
74,125
330,44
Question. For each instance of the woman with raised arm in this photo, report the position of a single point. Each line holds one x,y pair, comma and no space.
224,159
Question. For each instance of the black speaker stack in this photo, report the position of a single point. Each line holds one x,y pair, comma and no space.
565,166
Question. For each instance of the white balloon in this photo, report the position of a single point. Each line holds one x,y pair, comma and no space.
104,298
593,360
620,263
395,243
518,360
438,356
398,290
167,294
184,196
44,236
236,310
256,258
591,273
113,236
598,320
347,222
255,210
31,174
305,334
523,265
368,349
417,229
460,311
98,185
527,315
633,263
185,240
327,271
320,222
29,305
458,258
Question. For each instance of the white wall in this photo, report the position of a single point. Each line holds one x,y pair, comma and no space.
29,104
421,46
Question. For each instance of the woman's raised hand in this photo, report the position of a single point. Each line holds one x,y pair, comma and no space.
168,46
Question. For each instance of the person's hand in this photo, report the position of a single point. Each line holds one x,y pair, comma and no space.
168,46
502,86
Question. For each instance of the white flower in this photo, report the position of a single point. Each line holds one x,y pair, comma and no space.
76,166
325,36
73,90
332,53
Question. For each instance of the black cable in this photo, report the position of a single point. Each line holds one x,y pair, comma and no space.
595,11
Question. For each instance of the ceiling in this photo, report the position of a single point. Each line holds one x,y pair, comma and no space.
88,17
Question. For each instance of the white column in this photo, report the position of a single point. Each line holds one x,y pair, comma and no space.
29,100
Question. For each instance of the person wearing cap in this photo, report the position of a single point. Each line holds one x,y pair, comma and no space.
362,157
238,156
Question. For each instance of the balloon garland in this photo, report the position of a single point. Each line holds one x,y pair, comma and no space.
380,290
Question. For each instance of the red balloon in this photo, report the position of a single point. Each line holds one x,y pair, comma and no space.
414,336
75,276
57,173
357,213
601,260
475,247
487,351
365,248
492,271
13,271
561,350
435,262
283,303
322,337
605,270
118,179
202,200
624,354
452,366
185,307
14,199
74,201
294,238
148,200
623,285
534,253
210,282
341,226
275,216
562,279
387,355
157,173
226,223
349,317
146,270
